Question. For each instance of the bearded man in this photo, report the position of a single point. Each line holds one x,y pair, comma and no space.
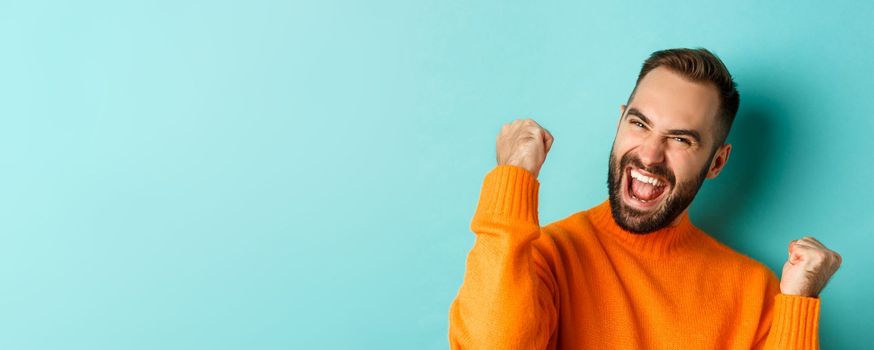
632,272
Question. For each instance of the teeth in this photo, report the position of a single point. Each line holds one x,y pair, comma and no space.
643,178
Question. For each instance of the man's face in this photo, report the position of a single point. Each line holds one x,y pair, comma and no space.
663,150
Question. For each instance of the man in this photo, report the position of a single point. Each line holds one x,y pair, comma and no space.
632,272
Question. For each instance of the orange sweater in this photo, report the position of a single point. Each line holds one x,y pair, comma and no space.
584,283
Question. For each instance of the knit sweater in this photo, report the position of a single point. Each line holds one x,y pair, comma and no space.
585,283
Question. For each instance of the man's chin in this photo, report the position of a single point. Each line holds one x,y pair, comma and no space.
635,218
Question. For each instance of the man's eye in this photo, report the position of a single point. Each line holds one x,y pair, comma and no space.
680,139
638,124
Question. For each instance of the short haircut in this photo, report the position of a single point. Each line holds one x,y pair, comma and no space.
701,66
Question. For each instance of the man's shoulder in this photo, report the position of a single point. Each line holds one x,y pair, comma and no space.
722,254
574,224
578,228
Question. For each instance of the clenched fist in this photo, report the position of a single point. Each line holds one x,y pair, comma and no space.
523,143
809,267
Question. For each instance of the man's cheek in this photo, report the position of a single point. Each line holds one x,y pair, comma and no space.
621,148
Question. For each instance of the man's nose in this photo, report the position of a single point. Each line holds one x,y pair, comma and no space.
652,151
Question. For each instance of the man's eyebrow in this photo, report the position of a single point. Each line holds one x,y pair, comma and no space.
685,132
636,113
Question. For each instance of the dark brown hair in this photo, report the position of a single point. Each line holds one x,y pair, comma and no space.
702,66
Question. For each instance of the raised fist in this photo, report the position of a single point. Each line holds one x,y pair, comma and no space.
809,267
523,143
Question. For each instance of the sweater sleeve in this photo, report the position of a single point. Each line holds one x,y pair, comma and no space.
507,299
792,321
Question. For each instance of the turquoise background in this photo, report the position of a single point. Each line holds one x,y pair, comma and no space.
302,175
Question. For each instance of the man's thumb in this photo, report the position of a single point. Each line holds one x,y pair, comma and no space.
547,140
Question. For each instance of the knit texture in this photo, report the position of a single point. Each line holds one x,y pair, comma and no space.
585,283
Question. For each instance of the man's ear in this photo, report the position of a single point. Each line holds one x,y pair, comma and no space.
719,160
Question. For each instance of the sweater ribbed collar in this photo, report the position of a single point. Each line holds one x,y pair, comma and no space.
659,242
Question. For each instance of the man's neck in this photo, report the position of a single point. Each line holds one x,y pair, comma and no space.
679,218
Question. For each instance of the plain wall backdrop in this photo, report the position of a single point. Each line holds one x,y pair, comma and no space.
302,175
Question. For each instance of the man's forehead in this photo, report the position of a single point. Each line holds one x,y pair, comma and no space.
671,101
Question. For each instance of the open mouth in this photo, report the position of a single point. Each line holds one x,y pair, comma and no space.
643,189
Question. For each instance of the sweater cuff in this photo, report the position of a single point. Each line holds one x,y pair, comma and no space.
509,193
796,322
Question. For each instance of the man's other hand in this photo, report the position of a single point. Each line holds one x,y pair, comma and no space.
809,267
523,143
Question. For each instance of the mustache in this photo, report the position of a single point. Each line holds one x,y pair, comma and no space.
659,170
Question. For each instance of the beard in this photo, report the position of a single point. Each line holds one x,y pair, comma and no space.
641,222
